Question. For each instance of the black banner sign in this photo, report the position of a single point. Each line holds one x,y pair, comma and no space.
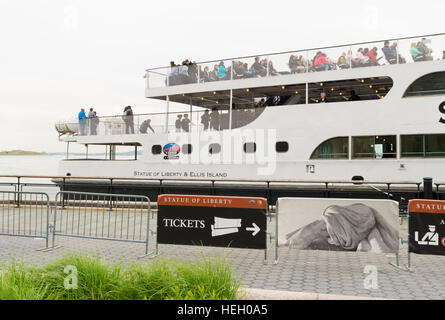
235,222
427,227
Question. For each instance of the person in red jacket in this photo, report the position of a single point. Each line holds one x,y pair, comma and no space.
372,55
321,61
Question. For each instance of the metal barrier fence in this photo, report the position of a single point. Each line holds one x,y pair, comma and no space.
24,214
102,217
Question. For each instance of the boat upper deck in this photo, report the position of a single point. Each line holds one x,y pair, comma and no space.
237,91
190,76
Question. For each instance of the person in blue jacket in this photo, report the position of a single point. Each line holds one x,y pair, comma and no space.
82,121
222,71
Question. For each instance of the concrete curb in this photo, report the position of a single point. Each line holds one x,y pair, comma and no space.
262,294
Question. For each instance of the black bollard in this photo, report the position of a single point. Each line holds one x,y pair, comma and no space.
428,188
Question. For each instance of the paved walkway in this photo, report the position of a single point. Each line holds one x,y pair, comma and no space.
322,272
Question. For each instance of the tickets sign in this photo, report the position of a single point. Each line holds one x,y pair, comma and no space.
237,222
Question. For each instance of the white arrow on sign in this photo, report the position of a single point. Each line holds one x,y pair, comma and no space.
255,229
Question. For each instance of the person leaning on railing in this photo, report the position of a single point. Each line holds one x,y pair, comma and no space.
146,125
96,121
214,119
205,119
92,122
129,120
178,123
186,122
82,121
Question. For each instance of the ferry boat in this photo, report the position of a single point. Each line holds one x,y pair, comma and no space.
359,112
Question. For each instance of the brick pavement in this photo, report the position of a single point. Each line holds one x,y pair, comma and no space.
322,272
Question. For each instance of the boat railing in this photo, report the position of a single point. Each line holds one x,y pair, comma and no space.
396,51
22,180
154,123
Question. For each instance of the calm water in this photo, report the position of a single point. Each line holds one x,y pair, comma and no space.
30,165
35,165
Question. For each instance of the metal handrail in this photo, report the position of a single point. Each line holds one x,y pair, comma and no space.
312,49
67,178
438,185
75,120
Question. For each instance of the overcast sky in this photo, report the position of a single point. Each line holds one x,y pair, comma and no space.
57,56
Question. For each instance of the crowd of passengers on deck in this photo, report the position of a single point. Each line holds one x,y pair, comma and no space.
191,72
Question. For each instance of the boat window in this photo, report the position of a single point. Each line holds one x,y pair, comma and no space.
435,145
375,147
335,148
108,152
413,146
89,152
214,148
282,146
186,148
156,149
126,152
350,90
425,146
430,84
250,147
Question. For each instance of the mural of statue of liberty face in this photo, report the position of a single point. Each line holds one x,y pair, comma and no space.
355,227
348,226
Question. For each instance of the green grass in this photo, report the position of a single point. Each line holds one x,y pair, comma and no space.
162,279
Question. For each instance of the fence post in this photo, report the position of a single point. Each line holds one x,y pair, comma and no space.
428,188
408,241
276,232
19,194
111,192
63,189
53,229
147,236
47,221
